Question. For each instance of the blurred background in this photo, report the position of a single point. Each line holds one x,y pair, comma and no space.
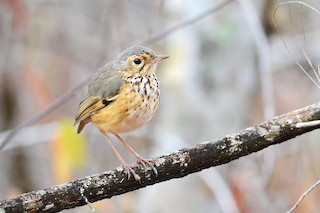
227,71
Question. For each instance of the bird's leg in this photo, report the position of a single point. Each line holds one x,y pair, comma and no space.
125,166
140,159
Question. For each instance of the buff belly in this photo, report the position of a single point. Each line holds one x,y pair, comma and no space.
131,110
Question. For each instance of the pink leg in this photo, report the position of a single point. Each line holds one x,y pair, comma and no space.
139,158
125,166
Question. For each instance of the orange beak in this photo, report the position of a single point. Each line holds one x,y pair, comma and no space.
158,58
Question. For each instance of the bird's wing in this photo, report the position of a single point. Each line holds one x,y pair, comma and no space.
87,107
103,89
106,82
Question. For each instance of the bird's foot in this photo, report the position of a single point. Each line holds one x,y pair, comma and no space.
146,162
128,169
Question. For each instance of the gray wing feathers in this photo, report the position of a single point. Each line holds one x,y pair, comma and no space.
106,82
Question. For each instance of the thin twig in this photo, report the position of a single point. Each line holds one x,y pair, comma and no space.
67,96
86,200
303,196
301,47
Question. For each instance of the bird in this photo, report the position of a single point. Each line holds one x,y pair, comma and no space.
123,96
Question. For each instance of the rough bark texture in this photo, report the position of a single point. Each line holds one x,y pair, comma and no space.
175,165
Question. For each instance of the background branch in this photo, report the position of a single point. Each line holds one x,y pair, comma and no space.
174,165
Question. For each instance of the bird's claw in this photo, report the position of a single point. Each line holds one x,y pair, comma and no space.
128,169
149,163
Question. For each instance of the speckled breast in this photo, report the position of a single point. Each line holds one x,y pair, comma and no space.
143,95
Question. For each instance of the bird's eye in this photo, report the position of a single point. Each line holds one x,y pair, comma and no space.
137,61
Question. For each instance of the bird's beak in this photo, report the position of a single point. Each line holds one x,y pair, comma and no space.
158,58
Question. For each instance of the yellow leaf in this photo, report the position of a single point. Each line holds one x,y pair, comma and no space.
68,151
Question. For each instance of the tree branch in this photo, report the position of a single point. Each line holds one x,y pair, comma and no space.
174,165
